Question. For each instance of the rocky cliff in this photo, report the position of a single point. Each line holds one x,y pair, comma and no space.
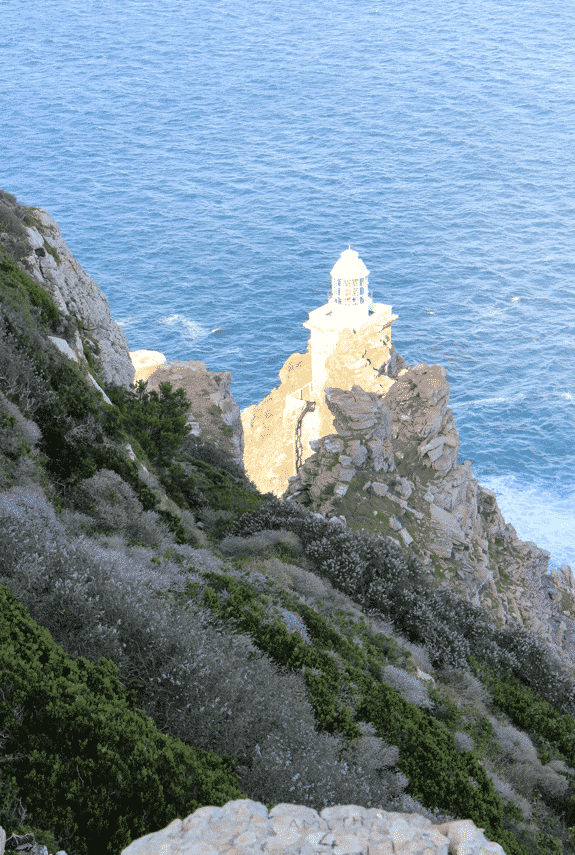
34,238
213,415
90,333
391,468
278,430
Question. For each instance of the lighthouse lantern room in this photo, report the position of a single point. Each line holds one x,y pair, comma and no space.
349,280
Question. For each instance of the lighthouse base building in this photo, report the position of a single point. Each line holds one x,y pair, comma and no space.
350,343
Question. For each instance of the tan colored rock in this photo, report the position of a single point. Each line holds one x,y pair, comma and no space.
145,363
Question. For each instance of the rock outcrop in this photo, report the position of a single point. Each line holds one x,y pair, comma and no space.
24,843
278,431
45,256
213,414
245,826
391,468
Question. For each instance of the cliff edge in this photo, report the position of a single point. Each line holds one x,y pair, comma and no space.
33,238
391,469
213,414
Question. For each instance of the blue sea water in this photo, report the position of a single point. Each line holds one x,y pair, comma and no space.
207,163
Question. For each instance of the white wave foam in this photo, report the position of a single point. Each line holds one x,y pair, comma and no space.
539,513
188,328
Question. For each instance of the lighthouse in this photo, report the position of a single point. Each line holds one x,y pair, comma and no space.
349,344
349,309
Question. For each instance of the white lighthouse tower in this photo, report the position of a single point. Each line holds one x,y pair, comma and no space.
349,308
349,344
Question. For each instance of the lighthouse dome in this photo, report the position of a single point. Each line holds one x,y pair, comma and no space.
349,280
349,266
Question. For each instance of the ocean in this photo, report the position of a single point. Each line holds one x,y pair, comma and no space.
208,162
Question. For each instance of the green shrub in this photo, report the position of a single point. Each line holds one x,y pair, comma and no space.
11,277
206,485
77,732
158,422
53,252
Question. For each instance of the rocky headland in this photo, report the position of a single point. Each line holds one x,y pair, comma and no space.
391,468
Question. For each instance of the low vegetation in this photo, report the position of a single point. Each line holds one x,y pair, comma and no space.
150,667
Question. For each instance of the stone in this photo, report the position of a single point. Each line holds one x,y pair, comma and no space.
346,474
243,826
358,452
320,482
379,489
446,522
77,296
405,536
24,843
458,530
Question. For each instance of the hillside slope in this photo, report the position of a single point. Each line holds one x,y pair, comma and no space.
144,579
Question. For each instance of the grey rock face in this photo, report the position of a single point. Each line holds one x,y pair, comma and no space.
362,417
419,402
419,496
75,293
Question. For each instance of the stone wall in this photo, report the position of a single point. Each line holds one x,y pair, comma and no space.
245,826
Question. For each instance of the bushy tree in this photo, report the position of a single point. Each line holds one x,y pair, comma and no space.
156,421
